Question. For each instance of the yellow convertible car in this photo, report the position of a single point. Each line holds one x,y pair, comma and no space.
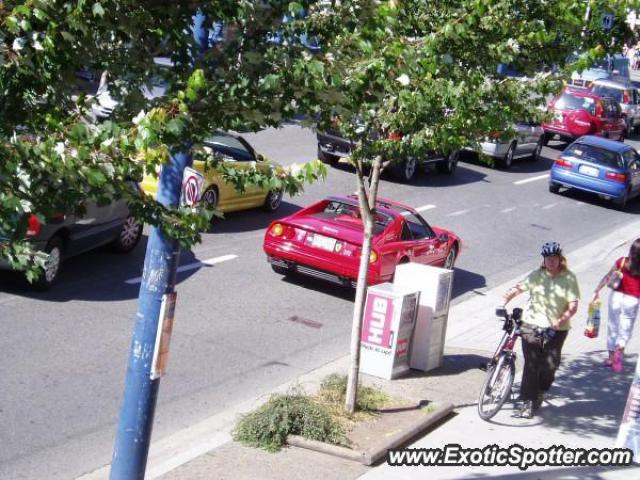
220,194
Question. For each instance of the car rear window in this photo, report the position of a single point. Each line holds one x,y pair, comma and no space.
348,214
603,91
567,101
593,154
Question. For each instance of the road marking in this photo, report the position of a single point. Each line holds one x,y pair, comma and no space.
191,266
459,212
547,207
425,207
532,179
507,210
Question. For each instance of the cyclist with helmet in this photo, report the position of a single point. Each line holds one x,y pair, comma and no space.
553,300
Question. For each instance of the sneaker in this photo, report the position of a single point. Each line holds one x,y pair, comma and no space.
616,365
537,403
526,409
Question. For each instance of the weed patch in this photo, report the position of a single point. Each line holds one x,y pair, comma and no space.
320,417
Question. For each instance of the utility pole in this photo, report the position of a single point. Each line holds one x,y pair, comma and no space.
133,437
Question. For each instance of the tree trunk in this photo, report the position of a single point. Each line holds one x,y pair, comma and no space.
367,203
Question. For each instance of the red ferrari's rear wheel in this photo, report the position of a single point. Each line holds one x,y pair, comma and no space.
451,258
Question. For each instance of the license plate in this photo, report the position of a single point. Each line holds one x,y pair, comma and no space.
587,170
325,243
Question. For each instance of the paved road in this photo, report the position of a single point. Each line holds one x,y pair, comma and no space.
241,328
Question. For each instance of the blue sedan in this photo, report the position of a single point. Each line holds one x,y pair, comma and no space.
605,167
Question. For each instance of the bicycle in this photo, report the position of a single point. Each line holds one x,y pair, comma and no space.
501,369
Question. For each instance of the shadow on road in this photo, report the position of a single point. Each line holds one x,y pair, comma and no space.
250,220
520,165
464,281
427,176
633,205
99,275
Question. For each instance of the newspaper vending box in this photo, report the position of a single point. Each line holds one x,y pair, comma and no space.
434,285
387,326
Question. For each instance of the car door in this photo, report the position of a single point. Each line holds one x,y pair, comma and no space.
635,107
523,136
237,154
633,169
425,244
90,229
614,124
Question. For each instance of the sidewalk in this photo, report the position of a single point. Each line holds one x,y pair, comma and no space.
584,408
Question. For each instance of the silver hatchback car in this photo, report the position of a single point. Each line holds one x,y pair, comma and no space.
65,236
528,142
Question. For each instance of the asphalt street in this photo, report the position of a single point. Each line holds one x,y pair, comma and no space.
240,328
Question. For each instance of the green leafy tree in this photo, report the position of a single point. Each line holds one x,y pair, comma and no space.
404,79
55,156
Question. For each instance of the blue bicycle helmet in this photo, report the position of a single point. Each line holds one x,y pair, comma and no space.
551,248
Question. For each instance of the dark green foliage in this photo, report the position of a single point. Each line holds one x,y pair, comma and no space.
290,414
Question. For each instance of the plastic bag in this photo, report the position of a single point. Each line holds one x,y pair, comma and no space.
593,320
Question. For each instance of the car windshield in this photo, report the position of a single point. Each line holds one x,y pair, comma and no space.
348,214
603,91
566,101
594,155
229,147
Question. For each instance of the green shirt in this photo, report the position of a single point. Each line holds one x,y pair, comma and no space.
549,297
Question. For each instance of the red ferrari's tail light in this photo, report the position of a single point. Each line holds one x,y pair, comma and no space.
289,232
616,177
277,230
561,162
625,97
33,226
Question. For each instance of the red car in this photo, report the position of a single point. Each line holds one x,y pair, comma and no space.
324,240
580,112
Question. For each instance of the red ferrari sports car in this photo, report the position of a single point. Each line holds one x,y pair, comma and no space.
324,240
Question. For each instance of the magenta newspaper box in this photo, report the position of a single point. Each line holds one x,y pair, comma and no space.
387,326
434,285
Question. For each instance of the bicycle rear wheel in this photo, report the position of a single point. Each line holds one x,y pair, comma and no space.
496,387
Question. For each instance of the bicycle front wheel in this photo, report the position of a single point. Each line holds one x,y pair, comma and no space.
496,387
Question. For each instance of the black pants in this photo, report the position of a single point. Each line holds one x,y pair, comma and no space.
541,360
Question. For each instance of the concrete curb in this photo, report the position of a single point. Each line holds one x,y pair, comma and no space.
372,455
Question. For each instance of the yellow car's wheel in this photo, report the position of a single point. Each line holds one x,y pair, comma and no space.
273,201
210,197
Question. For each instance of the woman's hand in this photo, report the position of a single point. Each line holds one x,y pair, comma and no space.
596,296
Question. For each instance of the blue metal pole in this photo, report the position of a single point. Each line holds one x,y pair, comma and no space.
133,438
140,393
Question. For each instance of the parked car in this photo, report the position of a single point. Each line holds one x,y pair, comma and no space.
324,241
626,94
604,167
332,147
528,143
610,67
64,236
221,195
580,112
